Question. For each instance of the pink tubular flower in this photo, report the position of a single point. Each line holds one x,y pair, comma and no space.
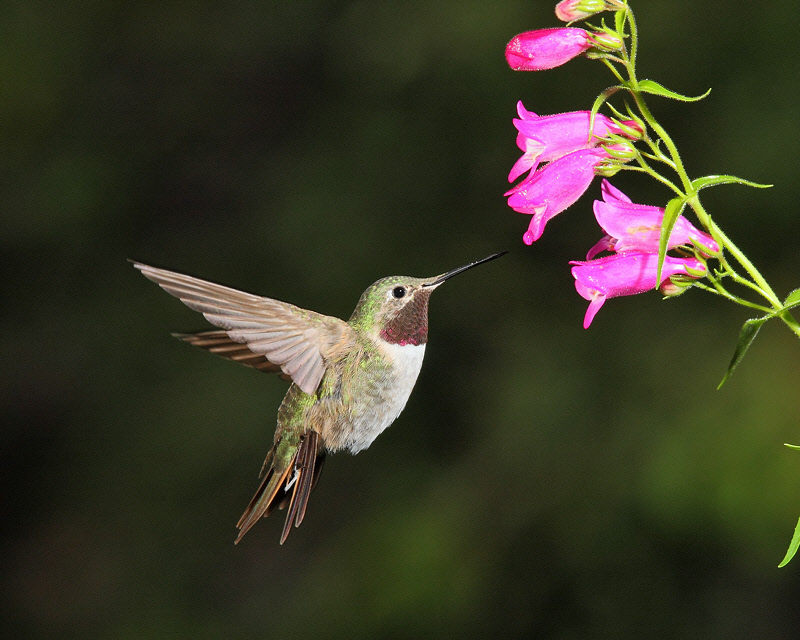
546,48
554,187
637,227
546,138
625,274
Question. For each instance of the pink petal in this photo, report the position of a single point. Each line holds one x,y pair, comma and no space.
592,309
606,243
635,227
564,133
585,292
523,113
529,160
611,194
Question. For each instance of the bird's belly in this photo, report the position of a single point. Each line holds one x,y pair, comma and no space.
383,398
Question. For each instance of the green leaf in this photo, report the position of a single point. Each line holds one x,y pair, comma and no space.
792,300
619,20
650,86
671,213
746,336
712,181
792,446
793,546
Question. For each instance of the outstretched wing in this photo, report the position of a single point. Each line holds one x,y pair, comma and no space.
297,340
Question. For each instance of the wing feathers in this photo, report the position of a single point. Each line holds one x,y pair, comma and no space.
219,343
305,368
296,340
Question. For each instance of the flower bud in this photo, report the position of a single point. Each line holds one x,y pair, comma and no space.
618,154
622,150
632,129
698,271
607,169
606,40
572,10
675,286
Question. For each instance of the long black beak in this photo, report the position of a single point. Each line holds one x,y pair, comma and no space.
455,272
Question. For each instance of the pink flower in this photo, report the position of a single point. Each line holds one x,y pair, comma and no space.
546,138
637,227
625,274
547,192
546,48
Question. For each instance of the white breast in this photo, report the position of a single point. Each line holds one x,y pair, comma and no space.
393,391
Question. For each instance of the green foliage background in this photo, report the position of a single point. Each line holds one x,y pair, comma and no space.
543,481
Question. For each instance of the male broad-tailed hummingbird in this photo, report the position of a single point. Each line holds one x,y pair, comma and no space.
350,380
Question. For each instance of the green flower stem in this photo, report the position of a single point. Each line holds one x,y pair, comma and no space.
719,290
758,284
634,37
737,253
657,156
606,61
657,176
674,155
728,272
633,84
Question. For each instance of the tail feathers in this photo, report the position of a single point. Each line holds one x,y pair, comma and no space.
300,476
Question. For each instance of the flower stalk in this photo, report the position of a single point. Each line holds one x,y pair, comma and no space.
646,247
552,192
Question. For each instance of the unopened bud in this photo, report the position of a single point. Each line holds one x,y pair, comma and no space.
606,40
675,286
621,150
630,129
572,10
699,272
607,169
706,250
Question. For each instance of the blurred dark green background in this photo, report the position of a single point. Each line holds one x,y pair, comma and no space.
543,481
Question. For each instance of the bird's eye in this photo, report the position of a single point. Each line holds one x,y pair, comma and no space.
398,292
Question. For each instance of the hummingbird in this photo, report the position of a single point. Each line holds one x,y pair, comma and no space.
349,380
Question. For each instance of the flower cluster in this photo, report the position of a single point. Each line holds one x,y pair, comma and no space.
644,247
562,154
